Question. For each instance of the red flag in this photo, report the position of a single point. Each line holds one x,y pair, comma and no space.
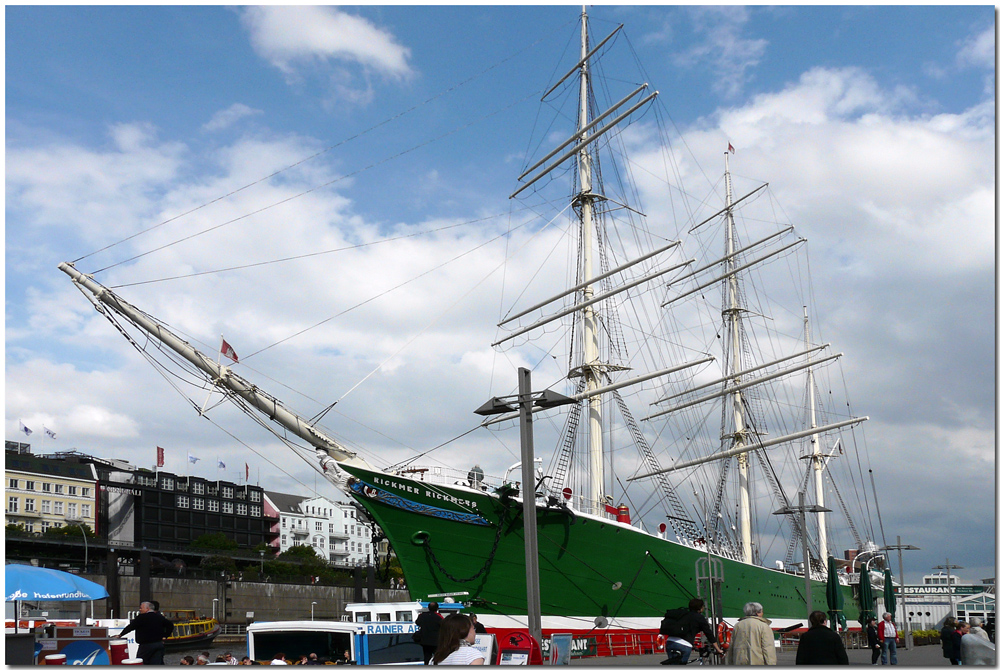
159,457
229,352
248,470
731,149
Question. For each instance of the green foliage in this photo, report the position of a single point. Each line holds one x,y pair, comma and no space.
69,531
923,637
214,542
218,563
16,530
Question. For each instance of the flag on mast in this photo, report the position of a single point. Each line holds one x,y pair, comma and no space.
159,457
24,429
731,149
192,459
49,433
247,466
222,466
228,351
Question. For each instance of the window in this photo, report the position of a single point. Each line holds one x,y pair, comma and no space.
29,504
85,511
59,488
241,509
321,542
227,508
29,485
227,491
319,525
12,504
198,503
12,483
254,510
45,526
85,491
283,520
167,484
254,496
333,528
46,507
183,502
282,539
71,509
59,507
30,527
46,487
314,541
72,490
198,488
213,505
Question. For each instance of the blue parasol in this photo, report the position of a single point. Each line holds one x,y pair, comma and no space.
26,582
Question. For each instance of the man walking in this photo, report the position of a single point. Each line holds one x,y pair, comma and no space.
150,628
888,636
753,639
429,623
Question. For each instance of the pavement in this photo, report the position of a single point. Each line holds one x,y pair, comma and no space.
928,655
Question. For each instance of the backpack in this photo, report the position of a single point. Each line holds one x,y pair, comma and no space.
676,623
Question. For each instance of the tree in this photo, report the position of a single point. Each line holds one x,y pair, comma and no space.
69,531
16,530
214,542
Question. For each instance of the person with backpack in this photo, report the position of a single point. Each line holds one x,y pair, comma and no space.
680,626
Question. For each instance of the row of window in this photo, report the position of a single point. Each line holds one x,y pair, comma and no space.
317,541
199,488
45,525
47,507
184,502
356,529
49,487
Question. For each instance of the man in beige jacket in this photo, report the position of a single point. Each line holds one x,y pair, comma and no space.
753,639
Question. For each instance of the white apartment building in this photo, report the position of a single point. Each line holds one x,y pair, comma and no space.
334,529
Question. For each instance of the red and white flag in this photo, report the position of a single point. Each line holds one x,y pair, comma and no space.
229,352
159,457
731,149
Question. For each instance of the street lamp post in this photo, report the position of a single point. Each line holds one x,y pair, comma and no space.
899,547
801,510
215,602
525,402
261,565
312,611
951,590
80,524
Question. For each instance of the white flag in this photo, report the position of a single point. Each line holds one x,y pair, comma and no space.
193,459
49,432
24,429
222,466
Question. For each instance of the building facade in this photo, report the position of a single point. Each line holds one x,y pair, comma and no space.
43,493
335,530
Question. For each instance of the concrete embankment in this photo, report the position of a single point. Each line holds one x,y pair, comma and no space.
233,600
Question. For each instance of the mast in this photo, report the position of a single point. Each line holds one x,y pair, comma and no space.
732,316
816,459
591,354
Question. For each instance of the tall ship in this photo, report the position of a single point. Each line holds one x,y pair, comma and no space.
709,448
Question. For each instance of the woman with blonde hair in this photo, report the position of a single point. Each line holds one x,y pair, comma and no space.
455,642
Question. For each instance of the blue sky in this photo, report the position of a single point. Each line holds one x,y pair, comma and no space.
875,124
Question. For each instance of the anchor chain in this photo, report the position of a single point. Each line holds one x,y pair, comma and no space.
489,559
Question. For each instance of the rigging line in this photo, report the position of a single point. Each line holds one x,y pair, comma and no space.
405,463
386,292
445,311
309,255
320,186
877,509
325,150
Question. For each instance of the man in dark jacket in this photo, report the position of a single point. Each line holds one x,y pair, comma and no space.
692,622
946,632
819,645
874,643
150,628
429,623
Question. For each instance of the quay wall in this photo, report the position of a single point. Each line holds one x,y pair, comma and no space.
268,601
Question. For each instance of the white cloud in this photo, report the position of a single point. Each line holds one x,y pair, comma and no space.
979,50
291,37
725,49
227,117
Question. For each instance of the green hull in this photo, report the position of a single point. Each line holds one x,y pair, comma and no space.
457,539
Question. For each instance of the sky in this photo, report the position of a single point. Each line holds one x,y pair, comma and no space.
229,136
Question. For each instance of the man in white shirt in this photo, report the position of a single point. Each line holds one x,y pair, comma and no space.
889,636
